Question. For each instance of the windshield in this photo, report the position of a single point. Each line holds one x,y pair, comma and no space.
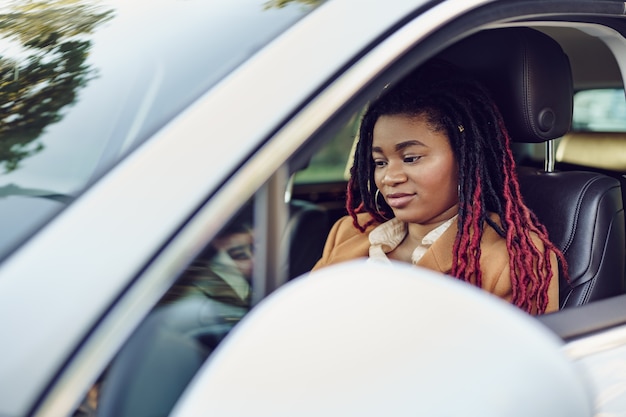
83,82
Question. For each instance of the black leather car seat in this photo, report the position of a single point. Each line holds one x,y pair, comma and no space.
305,236
529,77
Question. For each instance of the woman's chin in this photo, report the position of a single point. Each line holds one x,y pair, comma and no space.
406,217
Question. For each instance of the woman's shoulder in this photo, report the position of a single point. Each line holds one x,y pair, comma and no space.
345,241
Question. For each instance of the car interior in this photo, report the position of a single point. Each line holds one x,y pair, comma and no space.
529,75
572,179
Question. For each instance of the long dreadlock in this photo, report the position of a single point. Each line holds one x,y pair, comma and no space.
462,108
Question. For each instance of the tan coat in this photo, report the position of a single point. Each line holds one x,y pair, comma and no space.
345,243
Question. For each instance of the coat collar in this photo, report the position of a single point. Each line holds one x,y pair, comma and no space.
439,256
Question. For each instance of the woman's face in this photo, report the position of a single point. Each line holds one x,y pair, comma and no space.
415,169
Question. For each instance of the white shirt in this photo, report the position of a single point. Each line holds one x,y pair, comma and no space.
387,236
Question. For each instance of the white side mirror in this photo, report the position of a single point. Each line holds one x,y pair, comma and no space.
360,339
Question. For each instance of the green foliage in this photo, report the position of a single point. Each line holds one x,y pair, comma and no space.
47,76
330,162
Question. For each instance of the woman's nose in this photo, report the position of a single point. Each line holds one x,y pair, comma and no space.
394,174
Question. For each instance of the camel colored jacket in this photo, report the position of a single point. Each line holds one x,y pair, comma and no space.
345,243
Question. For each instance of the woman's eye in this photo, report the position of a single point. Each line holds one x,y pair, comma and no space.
378,163
411,159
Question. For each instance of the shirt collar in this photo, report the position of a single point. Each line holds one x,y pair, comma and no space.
387,236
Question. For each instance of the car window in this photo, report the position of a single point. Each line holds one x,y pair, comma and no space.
600,110
598,132
216,290
206,301
330,162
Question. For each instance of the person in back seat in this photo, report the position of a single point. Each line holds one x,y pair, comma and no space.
433,183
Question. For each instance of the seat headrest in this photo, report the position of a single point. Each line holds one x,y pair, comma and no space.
528,75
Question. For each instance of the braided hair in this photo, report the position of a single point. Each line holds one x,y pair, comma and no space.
462,108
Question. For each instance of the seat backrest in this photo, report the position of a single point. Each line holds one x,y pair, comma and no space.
582,211
529,76
306,233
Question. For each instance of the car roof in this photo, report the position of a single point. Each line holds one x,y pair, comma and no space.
593,62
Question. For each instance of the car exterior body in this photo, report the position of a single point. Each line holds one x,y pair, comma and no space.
207,106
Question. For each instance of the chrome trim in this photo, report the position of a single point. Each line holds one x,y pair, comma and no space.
596,343
550,156
289,189
160,274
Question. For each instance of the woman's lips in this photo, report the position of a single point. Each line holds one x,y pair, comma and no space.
399,200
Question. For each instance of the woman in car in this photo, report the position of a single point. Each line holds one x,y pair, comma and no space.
433,183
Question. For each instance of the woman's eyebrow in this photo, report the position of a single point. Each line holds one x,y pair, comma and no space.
399,146
403,145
